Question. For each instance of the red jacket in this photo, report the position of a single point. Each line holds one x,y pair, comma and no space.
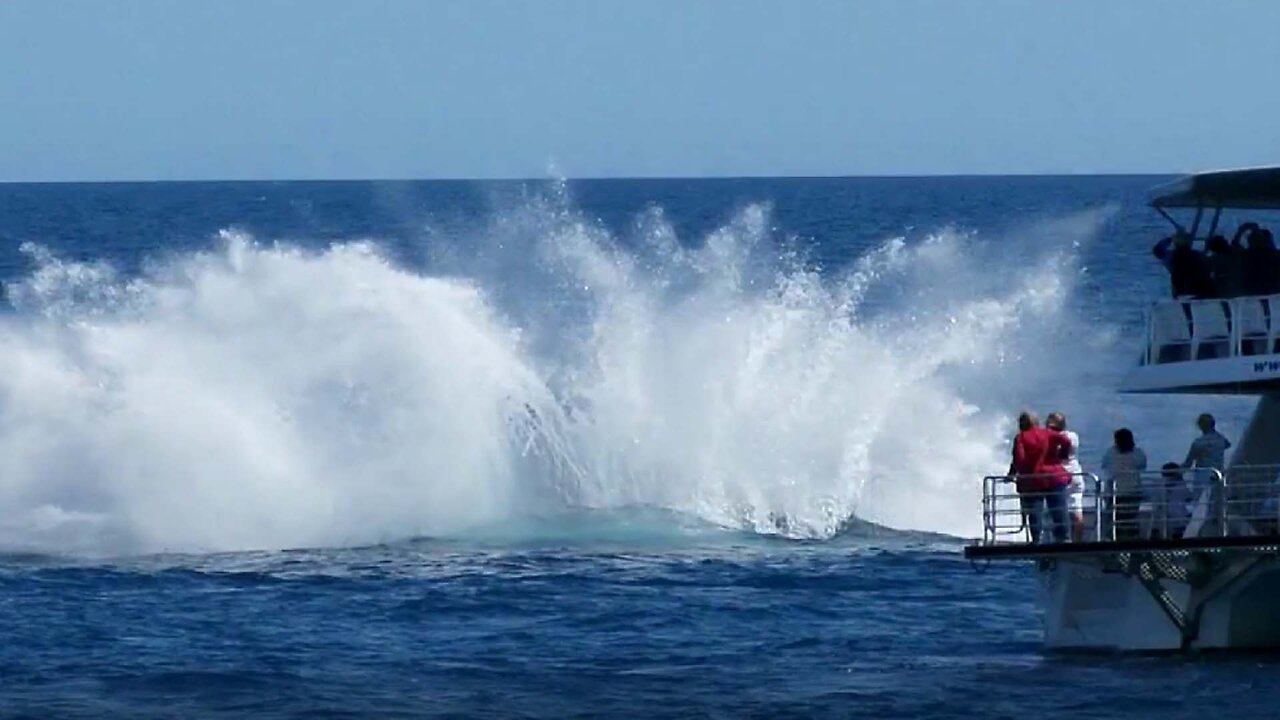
1040,452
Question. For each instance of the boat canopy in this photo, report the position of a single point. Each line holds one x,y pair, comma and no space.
1251,188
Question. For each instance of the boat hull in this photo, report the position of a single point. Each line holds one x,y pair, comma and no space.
1223,601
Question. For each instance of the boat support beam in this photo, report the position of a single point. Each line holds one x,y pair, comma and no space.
1144,568
1147,569
1217,584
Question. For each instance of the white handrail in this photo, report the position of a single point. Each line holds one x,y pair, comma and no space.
995,502
1169,502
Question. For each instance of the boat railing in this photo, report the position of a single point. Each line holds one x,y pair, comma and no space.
1183,330
1251,500
1004,519
1167,504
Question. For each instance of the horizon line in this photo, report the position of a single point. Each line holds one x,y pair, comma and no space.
589,178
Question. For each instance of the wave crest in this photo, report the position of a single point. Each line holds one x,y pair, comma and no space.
261,395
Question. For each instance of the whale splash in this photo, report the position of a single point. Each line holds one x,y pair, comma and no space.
261,395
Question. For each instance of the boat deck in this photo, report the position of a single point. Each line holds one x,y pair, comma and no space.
1180,512
1177,559
1023,551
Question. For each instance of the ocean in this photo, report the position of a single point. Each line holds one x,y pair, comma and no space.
548,449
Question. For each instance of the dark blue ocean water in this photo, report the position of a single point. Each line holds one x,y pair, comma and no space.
630,609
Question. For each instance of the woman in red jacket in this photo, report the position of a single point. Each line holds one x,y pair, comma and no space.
1042,482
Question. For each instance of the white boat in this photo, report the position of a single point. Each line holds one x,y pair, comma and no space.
1211,580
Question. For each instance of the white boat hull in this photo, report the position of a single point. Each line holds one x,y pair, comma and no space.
1092,605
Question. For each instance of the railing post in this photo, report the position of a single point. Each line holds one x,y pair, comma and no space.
1188,313
1164,507
1233,317
1275,505
1097,508
1109,494
987,535
1151,333
1221,482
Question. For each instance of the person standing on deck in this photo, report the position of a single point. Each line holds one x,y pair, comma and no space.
1225,267
1075,497
1170,517
1260,264
1189,274
1206,454
1122,467
1041,480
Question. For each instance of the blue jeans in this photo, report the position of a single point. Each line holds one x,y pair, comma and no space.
1054,502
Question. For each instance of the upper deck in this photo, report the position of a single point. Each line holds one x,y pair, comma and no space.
1210,346
1228,345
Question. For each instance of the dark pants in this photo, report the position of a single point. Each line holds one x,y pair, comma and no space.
1054,502
1127,516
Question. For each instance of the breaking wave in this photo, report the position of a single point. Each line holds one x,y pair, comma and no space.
261,395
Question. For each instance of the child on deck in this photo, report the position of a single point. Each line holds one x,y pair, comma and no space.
1167,499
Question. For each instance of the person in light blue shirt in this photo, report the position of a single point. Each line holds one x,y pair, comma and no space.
1207,454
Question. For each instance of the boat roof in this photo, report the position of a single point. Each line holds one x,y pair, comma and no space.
1253,188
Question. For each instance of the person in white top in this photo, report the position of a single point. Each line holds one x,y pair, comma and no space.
1122,469
1075,497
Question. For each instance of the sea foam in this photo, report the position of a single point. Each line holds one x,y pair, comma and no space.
259,395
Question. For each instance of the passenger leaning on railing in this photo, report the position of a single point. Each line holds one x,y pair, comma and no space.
1041,480
1122,468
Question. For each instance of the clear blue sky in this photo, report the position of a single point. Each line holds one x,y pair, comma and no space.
180,89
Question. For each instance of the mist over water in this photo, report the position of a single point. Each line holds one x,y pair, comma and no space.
259,395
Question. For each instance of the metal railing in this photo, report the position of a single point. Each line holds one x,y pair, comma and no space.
1184,330
1251,501
1197,502
1006,512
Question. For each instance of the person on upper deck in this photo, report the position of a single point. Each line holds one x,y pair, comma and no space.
1237,240
1042,482
1260,263
1207,453
1188,269
1225,267
1122,466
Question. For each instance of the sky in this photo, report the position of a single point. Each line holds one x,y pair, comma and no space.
293,89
